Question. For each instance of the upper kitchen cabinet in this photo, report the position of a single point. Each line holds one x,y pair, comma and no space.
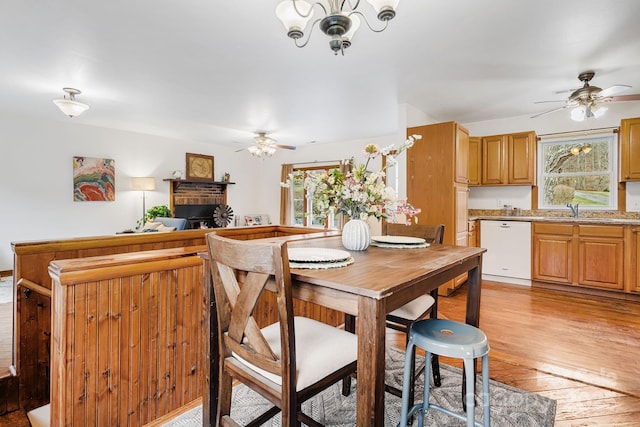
508,159
437,181
630,150
475,160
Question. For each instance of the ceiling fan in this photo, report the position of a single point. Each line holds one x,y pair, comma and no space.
265,146
587,101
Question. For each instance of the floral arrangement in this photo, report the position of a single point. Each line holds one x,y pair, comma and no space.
360,193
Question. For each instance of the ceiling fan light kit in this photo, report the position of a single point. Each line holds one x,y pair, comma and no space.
68,104
339,19
265,146
586,102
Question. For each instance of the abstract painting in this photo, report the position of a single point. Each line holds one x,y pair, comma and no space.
93,179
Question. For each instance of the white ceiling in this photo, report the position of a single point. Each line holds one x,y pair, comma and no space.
215,70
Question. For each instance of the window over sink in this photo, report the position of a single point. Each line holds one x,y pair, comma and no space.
578,170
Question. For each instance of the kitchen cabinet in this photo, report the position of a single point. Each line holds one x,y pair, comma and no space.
552,253
475,160
580,255
630,149
473,233
600,256
437,182
509,159
462,156
634,261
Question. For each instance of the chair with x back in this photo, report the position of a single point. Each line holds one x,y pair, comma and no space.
403,317
286,362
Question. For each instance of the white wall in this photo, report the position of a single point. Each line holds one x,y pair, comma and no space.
36,179
520,196
37,187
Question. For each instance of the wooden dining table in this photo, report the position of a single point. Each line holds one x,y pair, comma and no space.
379,281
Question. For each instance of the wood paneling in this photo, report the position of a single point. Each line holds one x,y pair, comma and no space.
31,262
127,348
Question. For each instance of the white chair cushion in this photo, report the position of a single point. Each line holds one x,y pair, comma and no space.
413,310
320,350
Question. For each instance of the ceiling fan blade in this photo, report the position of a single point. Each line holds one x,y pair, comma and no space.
635,97
546,102
286,147
547,112
612,90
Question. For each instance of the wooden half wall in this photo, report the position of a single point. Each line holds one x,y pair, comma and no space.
33,328
127,337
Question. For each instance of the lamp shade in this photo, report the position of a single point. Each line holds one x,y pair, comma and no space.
355,24
378,5
143,183
69,105
578,113
71,108
291,19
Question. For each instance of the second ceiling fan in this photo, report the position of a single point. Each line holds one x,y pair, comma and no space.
265,146
588,100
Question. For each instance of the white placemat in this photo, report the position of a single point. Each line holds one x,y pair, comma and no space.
399,246
321,265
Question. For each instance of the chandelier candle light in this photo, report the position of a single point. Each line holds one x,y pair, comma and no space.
339,19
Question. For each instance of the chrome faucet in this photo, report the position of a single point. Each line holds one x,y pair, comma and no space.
574,209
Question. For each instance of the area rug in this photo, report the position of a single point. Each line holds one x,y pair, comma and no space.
510,407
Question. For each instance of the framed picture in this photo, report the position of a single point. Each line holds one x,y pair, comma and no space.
199,167
93,179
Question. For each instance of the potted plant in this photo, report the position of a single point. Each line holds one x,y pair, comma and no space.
154,212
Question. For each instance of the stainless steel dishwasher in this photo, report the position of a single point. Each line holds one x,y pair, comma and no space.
508,245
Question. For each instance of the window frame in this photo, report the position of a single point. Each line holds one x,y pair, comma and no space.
612,171
332,221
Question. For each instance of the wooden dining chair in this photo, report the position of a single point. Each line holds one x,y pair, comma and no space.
403,317
286,362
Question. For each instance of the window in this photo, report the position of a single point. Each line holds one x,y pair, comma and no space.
578,171
303,202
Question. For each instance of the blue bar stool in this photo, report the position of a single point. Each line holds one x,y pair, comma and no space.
450,339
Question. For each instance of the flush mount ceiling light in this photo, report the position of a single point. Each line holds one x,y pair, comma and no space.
69,105
339,19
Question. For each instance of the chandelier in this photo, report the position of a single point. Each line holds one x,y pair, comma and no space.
339,19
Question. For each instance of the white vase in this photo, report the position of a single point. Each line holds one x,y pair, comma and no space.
356,235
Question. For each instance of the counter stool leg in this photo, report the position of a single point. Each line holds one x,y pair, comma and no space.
485,391
407,384
470,395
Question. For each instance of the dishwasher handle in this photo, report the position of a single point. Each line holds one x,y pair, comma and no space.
505,225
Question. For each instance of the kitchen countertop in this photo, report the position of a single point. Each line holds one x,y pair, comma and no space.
569,220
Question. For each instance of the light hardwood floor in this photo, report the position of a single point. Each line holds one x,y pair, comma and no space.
579,350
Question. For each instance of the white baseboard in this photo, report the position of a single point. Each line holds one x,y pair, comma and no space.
505,279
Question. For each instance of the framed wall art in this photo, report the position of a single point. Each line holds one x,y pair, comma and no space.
93,179
199,167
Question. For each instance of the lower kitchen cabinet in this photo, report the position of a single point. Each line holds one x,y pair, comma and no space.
600,256
552,253
580,255
634,263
